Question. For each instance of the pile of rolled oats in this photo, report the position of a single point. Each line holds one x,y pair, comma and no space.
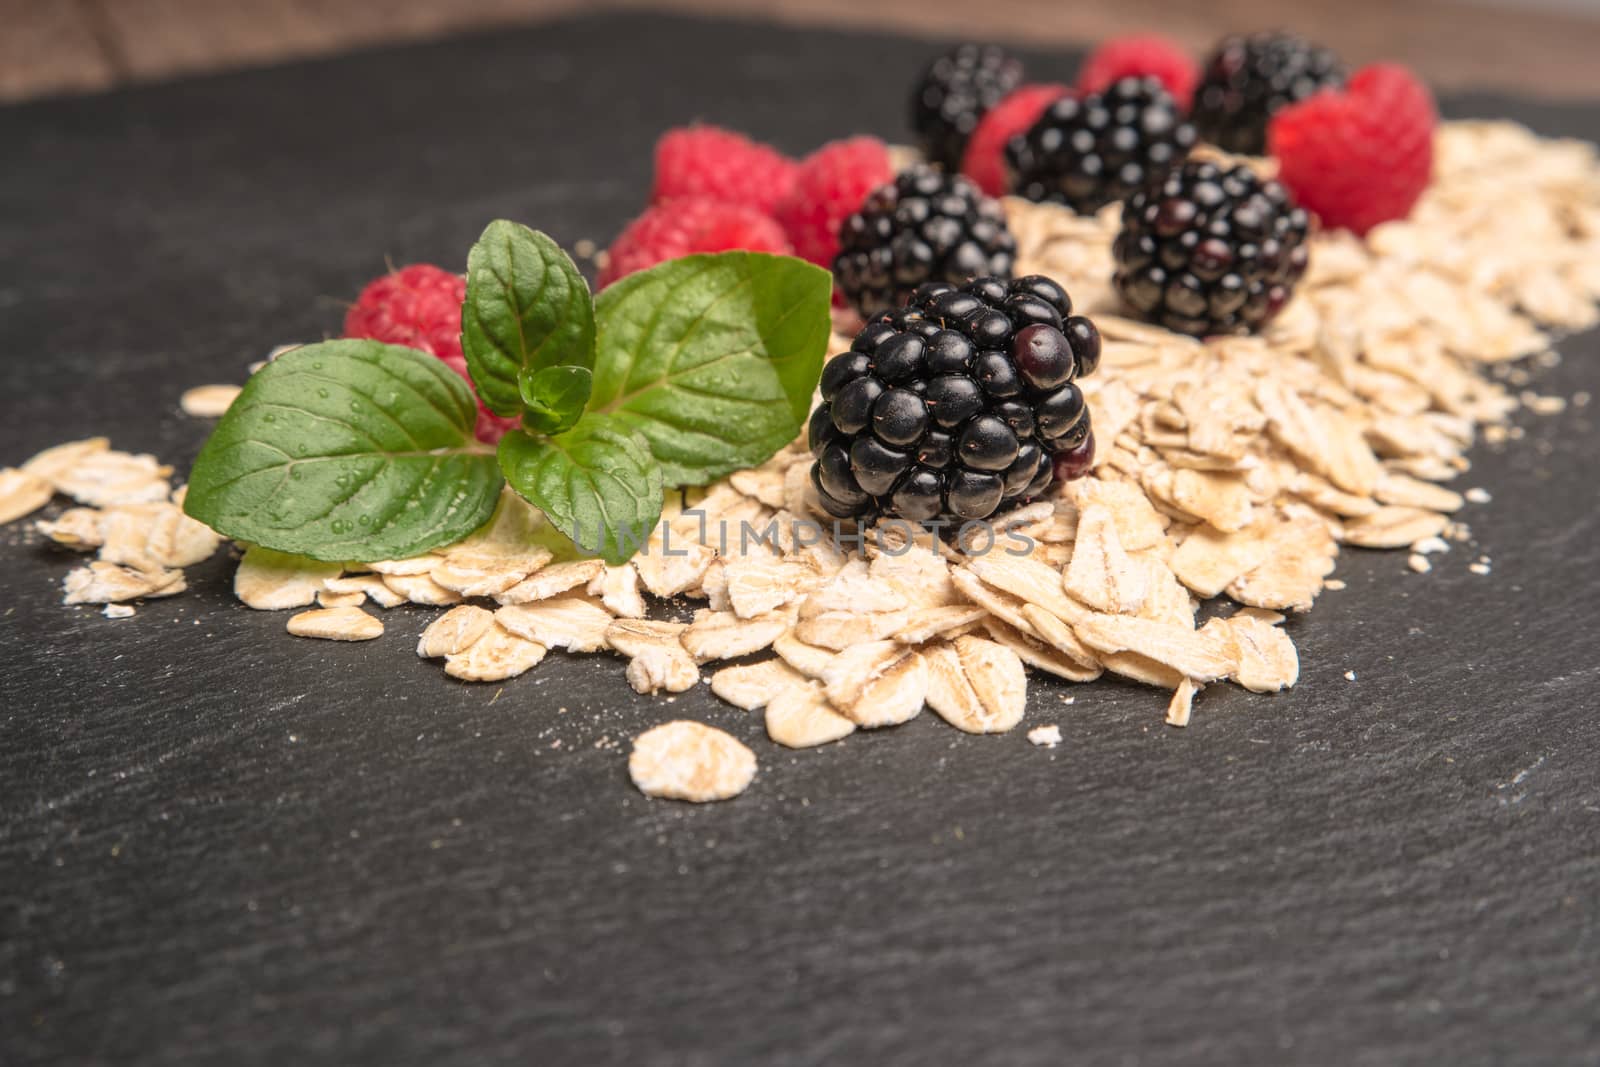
1234,467
130,517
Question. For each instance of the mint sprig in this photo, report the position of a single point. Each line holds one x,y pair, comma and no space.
356,450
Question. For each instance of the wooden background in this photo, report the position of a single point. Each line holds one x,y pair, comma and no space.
55,46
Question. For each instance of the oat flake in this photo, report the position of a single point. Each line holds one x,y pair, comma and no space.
689,761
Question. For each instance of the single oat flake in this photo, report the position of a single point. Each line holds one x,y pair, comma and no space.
753,686
108,583
494,656
454,632
800,717
22,493
336,624
689,761
208,401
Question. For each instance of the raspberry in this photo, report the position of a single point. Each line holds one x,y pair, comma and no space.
985,158
1208,250
417,306
1141,55
832,183
957,405
420,307
686,226
1249,79
492,427
1087,152
1359,157
954,92
925,226
708,161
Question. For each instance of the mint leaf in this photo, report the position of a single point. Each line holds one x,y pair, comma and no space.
527,307
347,450
712,358
596,483
553,398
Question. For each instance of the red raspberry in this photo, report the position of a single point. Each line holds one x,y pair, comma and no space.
1139,55
832,183
1361,156
492,427
688,225
985,158
420,307
722,165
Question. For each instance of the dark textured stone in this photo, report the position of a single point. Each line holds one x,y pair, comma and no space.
221,844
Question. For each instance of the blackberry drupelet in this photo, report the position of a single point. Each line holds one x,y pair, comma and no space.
925,226
1249,79
956,405
1089,151
954,92
1210,250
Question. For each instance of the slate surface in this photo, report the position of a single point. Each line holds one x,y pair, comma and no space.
219,844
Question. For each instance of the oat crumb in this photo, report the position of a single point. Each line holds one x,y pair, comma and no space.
1419,563
1181,707
1478,495
1349,676
1045,736
1544,405
1335,584
118,611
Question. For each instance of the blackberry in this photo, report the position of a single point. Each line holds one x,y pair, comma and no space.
1210,250
1087,152
1248,79
954,92
923,226
957,404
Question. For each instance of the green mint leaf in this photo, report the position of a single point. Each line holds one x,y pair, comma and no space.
712,358
597,483
553,397
347,450
527,307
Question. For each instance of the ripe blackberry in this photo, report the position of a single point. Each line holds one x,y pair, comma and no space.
1089,151
954,92
1210,250
1248,79
925,226
957,404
